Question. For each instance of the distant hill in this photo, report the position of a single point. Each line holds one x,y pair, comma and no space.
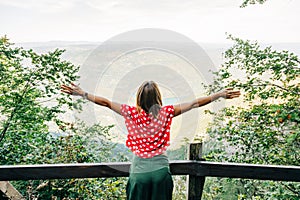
112,79
82,48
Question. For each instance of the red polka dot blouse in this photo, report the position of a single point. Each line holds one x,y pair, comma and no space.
148,136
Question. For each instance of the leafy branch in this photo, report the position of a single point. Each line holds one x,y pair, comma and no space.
246,3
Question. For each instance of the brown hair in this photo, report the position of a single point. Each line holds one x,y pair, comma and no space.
148,98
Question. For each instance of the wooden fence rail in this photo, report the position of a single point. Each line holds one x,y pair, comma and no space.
192,168
197,171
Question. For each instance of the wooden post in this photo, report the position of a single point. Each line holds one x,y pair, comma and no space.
8,191
195,183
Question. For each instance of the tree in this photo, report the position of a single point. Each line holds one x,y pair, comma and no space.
265,128
30,98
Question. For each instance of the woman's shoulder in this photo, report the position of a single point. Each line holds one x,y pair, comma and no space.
127,109
168,109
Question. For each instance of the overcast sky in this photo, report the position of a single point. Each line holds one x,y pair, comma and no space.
99,20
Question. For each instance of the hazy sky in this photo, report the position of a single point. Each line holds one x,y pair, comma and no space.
99,20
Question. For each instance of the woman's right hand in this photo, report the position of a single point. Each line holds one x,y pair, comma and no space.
72,90
229,93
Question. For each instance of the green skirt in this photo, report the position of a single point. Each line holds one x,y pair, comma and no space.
154,185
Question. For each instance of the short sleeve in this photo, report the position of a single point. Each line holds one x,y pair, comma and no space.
127,111
124,110
170,111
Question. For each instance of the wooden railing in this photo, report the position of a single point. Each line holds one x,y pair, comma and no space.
196,170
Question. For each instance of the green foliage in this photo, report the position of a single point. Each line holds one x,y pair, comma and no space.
265,128
30,99
85,144
251,2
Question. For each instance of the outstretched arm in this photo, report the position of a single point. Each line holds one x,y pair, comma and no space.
184,107
77,91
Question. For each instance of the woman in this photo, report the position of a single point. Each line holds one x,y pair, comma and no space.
148,124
